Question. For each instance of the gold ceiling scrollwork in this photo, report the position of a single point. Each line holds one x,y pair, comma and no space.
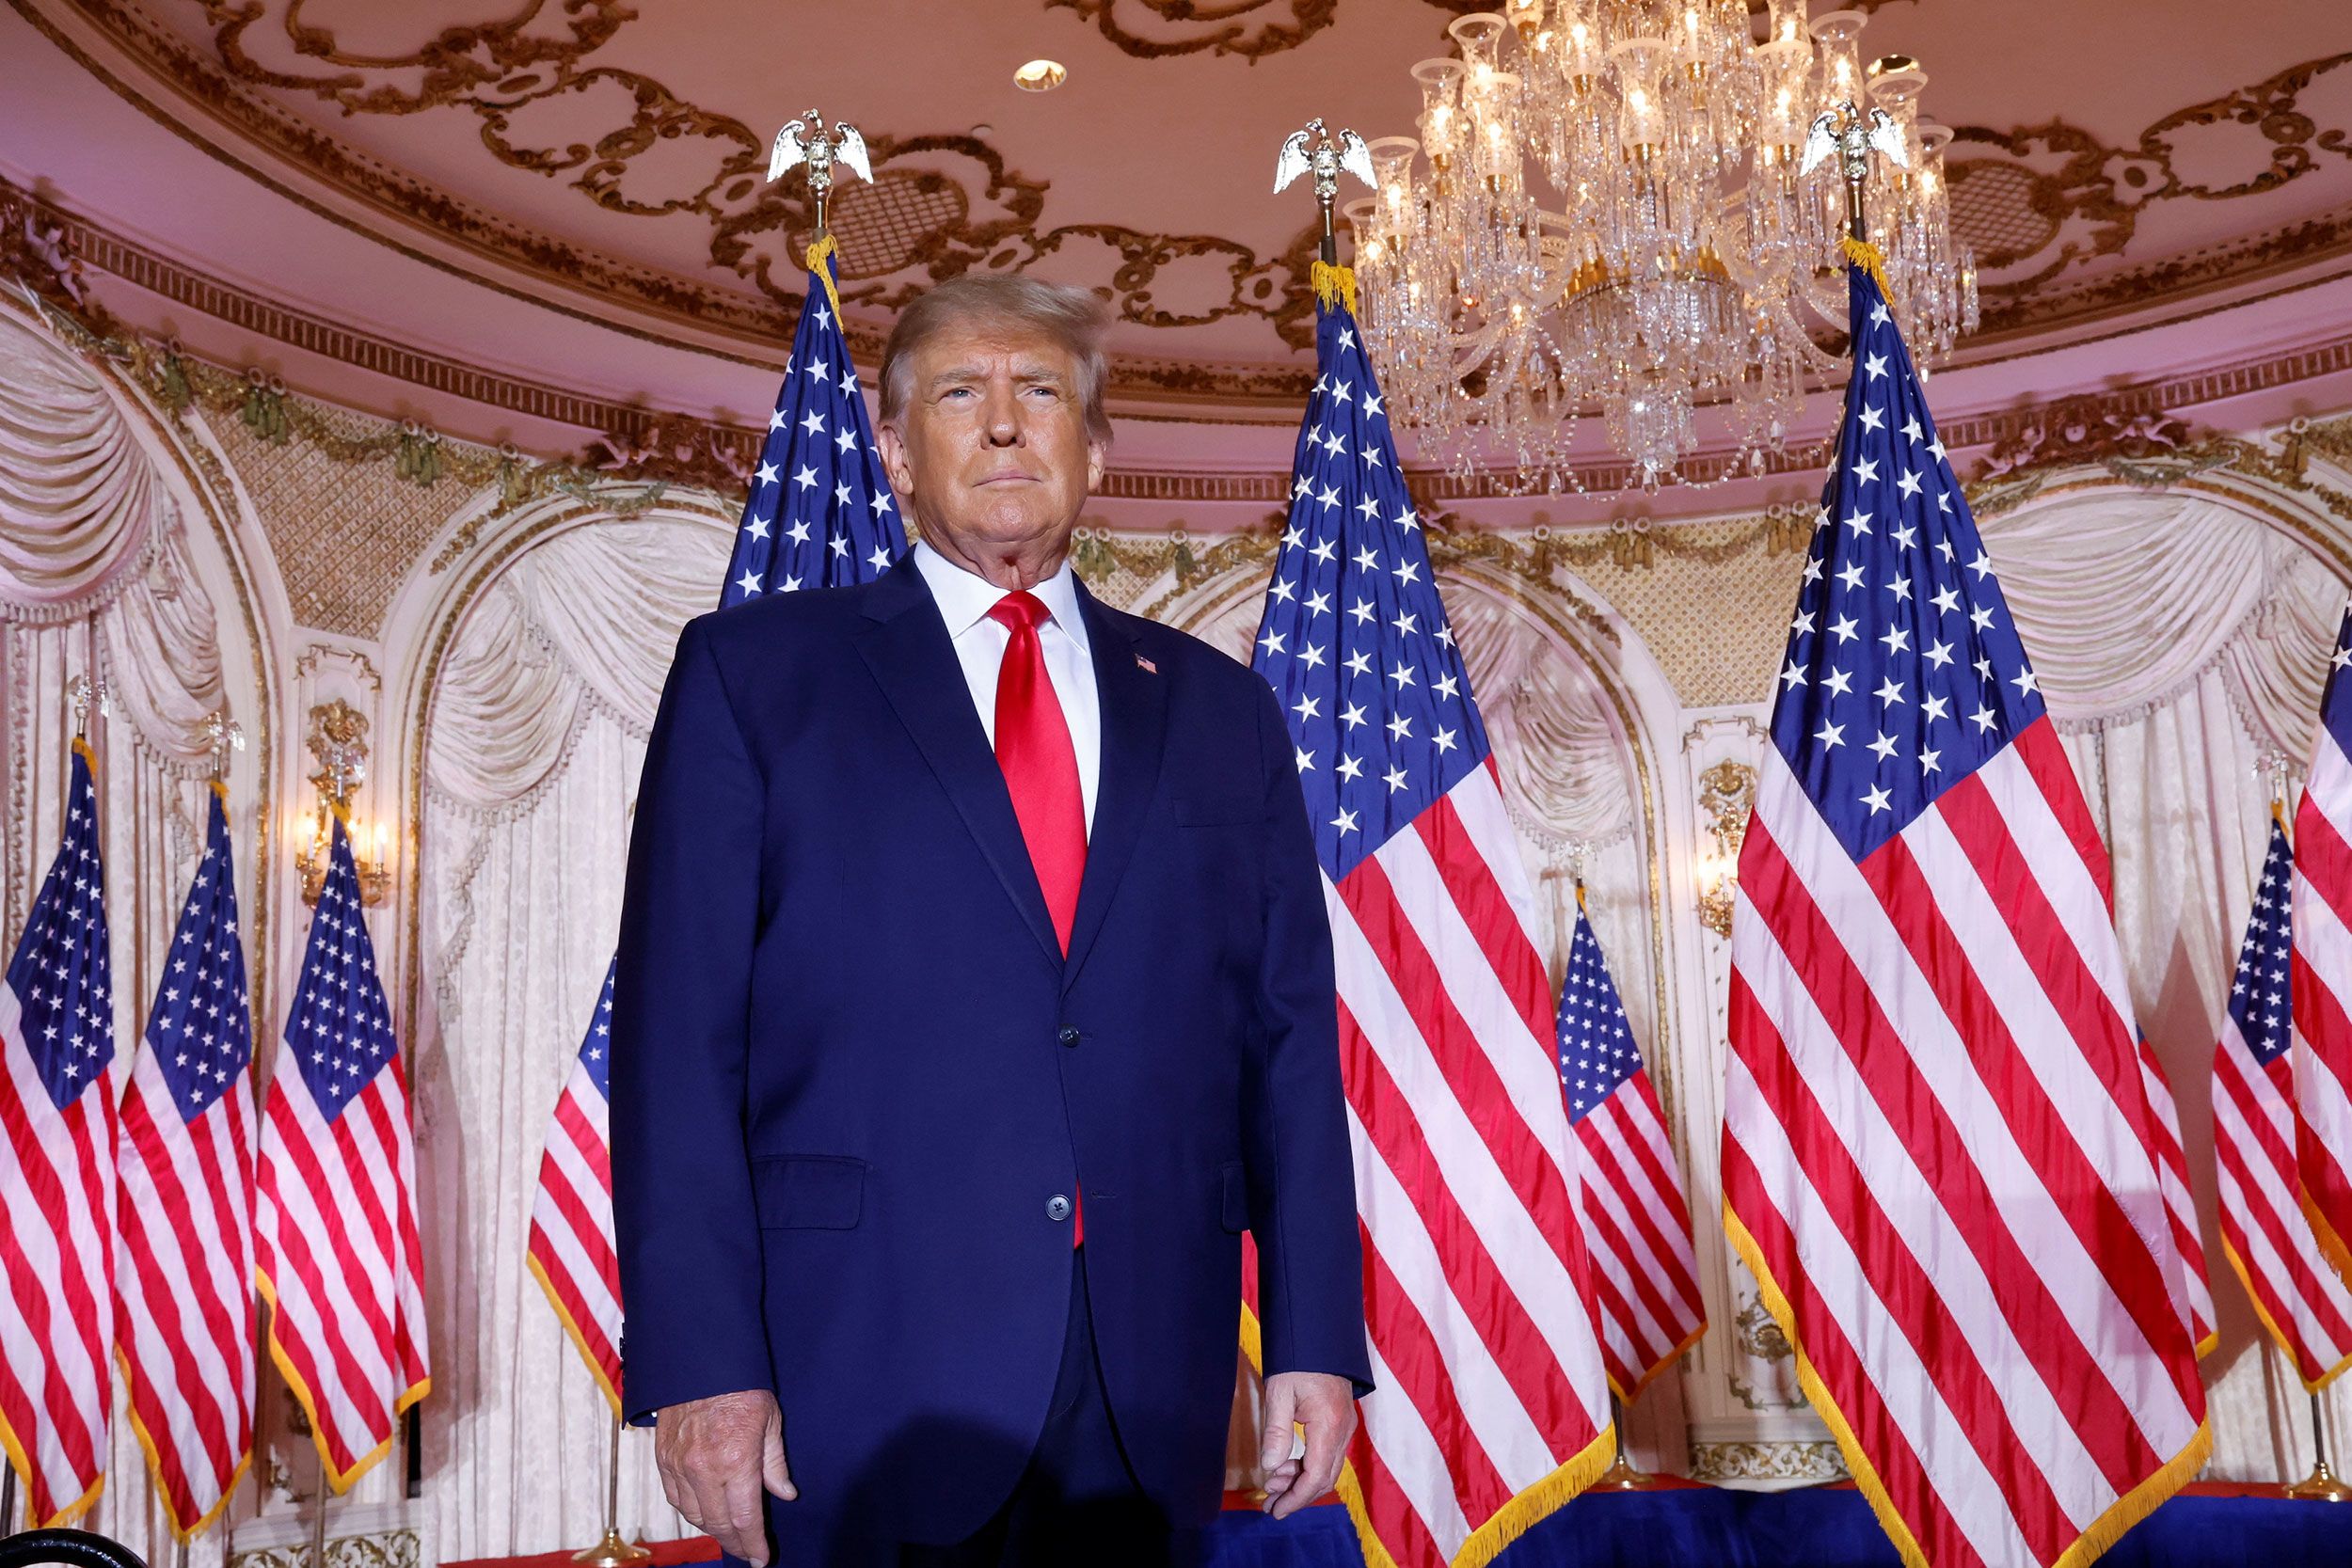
1250,29
940,205
2047,198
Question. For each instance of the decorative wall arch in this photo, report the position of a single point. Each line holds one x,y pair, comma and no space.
123,554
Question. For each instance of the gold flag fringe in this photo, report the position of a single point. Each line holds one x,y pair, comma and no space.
1863,254
1333,284
818,254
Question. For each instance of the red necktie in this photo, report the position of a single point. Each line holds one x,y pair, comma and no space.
1042,773
1041,765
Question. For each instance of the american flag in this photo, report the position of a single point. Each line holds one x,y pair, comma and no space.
335,1226
2295,1292
1636,1217
1493,1400
183,1259
2323,968
571,1214
1939,1137
820,515
57,1177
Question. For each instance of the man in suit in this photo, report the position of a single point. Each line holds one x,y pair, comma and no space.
974,995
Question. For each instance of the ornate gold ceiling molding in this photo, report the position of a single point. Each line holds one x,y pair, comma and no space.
941,205
2050,197
944,204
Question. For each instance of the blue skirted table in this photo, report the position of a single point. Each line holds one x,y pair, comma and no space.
1706,1526
1681,1526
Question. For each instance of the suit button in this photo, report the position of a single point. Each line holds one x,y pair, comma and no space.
1068,1036
1057,1208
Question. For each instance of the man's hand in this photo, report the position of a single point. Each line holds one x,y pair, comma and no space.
716,1456
1325,1406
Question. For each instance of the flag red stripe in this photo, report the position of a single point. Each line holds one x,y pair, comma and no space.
323,1322
1664,1250
1486,910
1459,1055
2319,1015
1508,1334
1401,1335
70,1424
180,1220
585,1138
1604,1227
1941,1157
185,1378
2044,755
309,1170
577,1307
1396,1523
2079,1190
2300,1281
1827,1349
582,1226
363,1169
2325,861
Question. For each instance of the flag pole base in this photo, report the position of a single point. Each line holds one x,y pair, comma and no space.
612,1552
2321,1486
1621,1477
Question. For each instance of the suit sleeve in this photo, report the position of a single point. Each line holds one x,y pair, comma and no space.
683,1218
1302,1184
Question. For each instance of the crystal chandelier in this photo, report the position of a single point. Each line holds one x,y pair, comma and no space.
1604,210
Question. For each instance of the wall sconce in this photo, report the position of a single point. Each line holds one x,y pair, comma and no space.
1727,794
338,738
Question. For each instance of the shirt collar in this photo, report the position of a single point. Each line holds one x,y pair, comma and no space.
964,597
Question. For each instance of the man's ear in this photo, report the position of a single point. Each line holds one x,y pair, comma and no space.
1098,454
894,456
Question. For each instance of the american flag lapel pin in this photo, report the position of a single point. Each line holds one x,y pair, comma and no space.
1146,665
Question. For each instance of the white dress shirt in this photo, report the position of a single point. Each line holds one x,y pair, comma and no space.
964,599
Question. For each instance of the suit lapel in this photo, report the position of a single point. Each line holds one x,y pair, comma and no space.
1133,705
915,665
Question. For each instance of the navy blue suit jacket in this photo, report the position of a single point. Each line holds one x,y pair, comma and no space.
851,1067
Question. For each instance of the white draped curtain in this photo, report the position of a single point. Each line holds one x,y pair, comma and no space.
103,567
2180,641
532,745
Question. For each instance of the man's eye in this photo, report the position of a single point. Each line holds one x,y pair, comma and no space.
1046,391
954,392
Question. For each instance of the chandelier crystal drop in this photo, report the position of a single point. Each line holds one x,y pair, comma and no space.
1604,210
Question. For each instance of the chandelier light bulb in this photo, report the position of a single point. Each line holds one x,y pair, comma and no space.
1604,214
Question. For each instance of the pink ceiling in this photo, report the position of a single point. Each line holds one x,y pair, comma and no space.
2109,156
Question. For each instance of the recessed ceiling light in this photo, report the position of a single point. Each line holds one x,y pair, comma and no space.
983,130
1040,76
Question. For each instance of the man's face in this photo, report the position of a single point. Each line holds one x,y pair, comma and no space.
991,450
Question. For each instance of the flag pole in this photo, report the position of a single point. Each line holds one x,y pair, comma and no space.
1621,1476
2321,1485
613,1550
7,1500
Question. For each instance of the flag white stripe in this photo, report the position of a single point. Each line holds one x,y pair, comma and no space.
1608,1121
1523,1256
2261,1260
1843,1289
158,1274
1522,1061
2324,946
2021,1201
604,1309
1935,1240
29,1230
1624,1269
1410,1450
2274,1190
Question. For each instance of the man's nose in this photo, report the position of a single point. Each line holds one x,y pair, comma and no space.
1004,421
